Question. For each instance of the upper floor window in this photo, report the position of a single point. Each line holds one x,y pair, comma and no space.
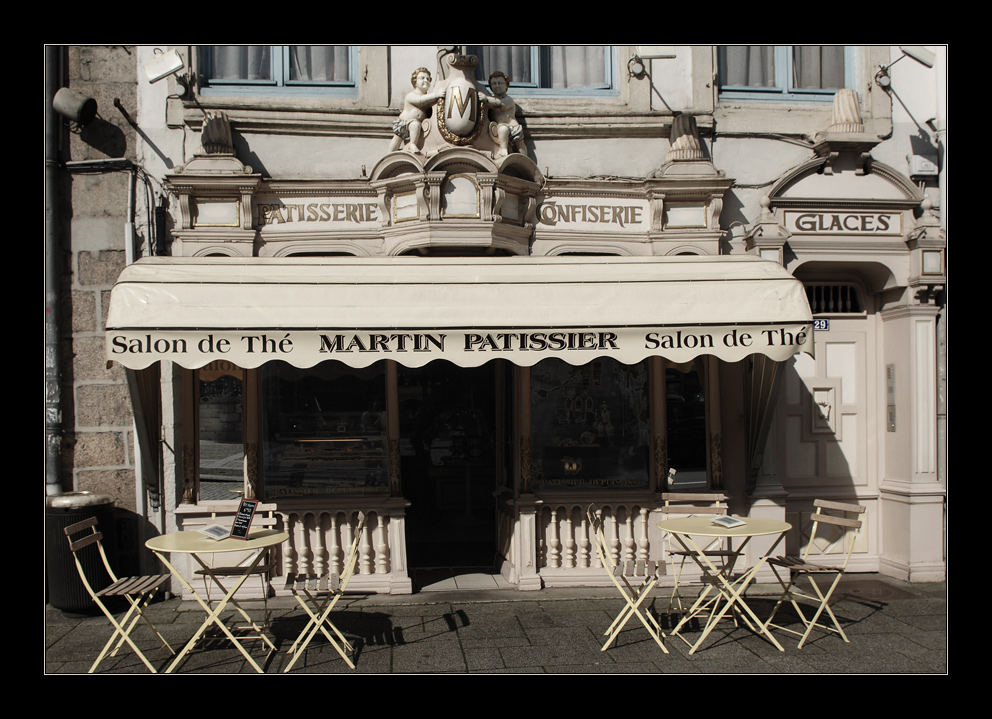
279,69
782,72
549,69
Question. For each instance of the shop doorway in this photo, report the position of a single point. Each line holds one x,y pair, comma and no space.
450,439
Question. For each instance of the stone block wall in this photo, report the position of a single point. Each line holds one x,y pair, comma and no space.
97,438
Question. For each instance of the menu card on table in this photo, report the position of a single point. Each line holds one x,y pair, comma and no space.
242,521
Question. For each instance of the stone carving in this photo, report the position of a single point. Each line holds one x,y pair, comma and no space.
846,113
216,136
461,106
408,127
456,112
684,140
505,128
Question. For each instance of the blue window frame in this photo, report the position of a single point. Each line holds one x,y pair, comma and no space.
806,73
305,70
569,70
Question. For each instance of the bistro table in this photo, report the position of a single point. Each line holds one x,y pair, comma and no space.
718,578
195,544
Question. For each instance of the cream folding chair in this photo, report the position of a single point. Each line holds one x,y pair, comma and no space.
797,567
321,593
138,591
265,516
633,579
693,504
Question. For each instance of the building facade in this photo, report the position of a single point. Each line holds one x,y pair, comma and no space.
469,291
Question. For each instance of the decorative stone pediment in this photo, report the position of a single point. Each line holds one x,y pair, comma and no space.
846,136
460,198
214,192
767,237
842,204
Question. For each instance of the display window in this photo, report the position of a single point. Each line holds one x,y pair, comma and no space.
590,427
324,430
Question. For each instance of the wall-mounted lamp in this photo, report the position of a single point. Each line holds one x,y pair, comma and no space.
164,64
74,105
635,67
917,52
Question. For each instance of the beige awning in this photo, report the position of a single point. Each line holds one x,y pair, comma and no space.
249,311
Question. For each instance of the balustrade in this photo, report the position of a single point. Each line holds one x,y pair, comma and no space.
319,538
565,540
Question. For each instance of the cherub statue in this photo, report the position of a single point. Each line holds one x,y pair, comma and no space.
503,113
407,127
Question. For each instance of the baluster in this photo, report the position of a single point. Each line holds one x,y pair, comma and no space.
365,551
628,542
293,554
320,556
642,540
310,556
554,544
613,539
584,543
334,548
382,546
569,530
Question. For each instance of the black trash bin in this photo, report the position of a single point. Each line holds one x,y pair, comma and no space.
65,589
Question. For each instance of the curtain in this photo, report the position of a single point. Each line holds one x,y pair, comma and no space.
319,63
145,393
572,66
818,67
761,383
747,65
307,63
514,60
814,67
240,62
557,66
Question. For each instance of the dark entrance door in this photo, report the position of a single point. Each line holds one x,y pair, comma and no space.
448,441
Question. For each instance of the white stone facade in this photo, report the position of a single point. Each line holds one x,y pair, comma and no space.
661,162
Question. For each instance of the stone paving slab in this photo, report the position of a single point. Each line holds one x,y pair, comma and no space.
894,627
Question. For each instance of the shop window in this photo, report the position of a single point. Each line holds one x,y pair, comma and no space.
589,425
279,69
219,430
549,69
685,408
324,430
783,72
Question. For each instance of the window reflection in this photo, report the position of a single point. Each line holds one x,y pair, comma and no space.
589,425
221,431
324,430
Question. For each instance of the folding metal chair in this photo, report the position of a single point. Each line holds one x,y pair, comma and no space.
319,595
265,516
694,504
138,591
797,567
633,579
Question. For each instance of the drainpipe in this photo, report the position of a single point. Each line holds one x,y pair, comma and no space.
53,376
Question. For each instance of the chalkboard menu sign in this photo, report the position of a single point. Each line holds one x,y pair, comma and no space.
242,522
